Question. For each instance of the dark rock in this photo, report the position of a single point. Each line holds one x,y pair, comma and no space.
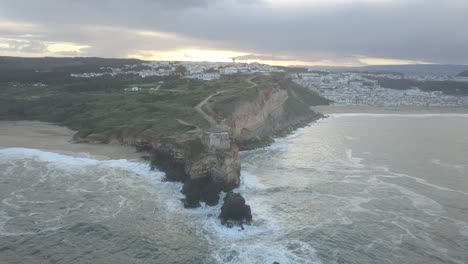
254,142
200,190
204,171
235,211
87,137
142,147
276,262
80,136
174,169
191,201
98,138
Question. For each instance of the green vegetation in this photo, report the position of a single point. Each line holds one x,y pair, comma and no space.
228,100
300,98
196,148
463,74
447,87
99,112
100,105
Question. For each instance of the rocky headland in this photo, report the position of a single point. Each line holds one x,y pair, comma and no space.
207,160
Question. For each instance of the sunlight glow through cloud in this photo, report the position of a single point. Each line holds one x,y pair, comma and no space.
188,55
386,61
278,32
156,34
66,47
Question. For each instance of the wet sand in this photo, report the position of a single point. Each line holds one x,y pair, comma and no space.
331,109
58,139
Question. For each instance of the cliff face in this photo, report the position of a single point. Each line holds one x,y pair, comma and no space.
275,111
207,161
206,168
260,116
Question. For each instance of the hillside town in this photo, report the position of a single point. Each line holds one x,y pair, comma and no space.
343,88
193,70
364,89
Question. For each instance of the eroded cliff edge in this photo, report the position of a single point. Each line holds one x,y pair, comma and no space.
271,110
207,160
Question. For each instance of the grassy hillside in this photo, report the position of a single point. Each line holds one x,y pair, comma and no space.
101,105
463,74
447,87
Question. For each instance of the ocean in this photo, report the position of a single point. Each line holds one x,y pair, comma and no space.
351,188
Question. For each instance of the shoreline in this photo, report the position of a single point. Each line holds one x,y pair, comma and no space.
58,139
332,109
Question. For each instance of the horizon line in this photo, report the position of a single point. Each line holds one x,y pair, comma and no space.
297,66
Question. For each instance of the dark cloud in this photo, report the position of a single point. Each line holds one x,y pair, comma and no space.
430,30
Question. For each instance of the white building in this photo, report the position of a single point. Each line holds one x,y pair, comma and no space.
133,89
216,139
206,76
229,70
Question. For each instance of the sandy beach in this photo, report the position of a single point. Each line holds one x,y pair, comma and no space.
54,138
331,109
58,139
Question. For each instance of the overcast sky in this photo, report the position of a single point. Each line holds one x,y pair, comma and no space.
287,32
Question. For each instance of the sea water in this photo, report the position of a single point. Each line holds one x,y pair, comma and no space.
351,188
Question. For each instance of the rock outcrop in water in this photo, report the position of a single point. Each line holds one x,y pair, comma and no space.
206,168
235,211
207,161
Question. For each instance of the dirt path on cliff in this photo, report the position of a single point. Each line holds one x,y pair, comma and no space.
252,84
210,119
199,109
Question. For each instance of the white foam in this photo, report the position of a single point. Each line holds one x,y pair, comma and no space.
19,153
458,167
355,162
279,144
264,222
4,218
68,162
294,252
250,181
419,201
423,182
425,115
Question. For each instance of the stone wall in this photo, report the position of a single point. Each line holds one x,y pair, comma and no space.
216,139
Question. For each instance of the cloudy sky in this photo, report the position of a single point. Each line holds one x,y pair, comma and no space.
282,32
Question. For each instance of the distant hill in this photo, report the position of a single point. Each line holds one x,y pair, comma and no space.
463,74
52,63
53,70
418,69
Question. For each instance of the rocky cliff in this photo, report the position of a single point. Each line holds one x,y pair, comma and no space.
207,161
204,167
274,111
